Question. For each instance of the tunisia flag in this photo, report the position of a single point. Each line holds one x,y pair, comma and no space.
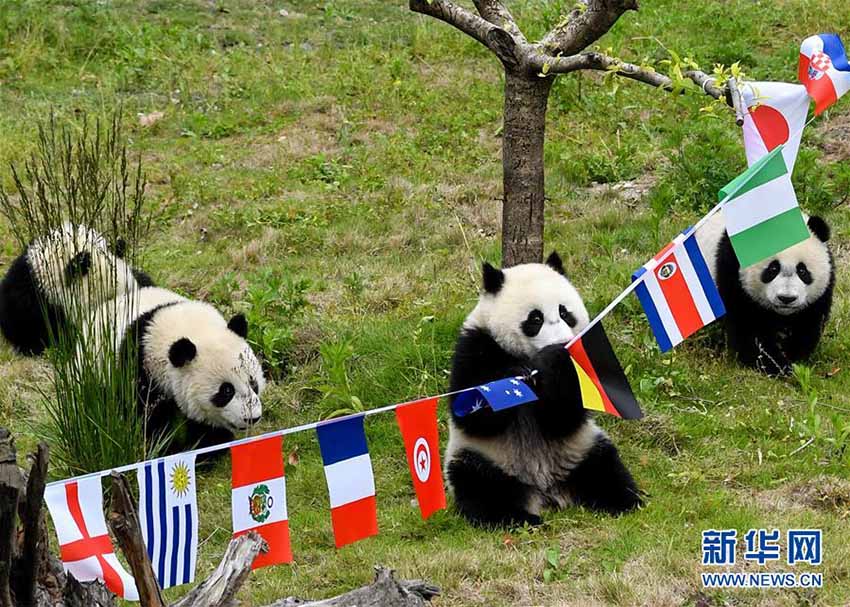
418,424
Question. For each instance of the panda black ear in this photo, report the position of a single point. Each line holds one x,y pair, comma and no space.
120,248
819,228
493,279
182,352
554,262
239,325
78,267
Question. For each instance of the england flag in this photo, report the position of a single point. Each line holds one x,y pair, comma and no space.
677,291
168,513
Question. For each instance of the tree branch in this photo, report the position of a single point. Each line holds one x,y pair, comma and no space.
584,26
546,64
492,36
497,13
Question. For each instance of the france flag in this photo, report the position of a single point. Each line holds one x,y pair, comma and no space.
168,514
351,484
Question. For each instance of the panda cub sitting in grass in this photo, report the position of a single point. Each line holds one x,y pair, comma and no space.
505,467
58,278
776,309
197,377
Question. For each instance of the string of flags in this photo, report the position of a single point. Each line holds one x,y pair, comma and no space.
674,288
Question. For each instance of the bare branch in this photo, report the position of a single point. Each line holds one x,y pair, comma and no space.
546,64
492,36
737,100
585,24
497,13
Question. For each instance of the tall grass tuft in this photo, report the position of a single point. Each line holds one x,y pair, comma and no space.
78,177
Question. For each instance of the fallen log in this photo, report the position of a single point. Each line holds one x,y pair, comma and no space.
385,591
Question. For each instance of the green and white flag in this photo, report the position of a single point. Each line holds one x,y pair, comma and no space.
762,214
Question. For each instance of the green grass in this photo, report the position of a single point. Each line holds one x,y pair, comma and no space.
350,154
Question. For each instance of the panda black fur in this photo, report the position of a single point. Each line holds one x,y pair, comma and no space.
505,467
197,376
71,265
776,309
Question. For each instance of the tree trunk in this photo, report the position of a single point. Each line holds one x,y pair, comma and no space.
526,97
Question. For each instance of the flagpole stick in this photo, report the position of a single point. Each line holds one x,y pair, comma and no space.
737,100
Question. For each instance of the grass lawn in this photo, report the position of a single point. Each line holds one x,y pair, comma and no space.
333,169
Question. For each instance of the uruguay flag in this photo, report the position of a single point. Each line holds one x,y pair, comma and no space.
824,70
351,484
677,293
168,514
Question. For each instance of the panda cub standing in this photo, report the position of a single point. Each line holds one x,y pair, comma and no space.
196,374
505,467
776,309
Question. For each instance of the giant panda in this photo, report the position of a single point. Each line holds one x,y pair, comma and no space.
197,378
58,278
505,467
776,309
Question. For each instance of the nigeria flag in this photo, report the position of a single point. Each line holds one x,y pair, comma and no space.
761,210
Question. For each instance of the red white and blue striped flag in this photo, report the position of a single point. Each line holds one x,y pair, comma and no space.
351,484
824,69
678,296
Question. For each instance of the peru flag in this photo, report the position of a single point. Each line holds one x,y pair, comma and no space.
351,485
76,508
824,69
776,115
258,499
677,292
418,424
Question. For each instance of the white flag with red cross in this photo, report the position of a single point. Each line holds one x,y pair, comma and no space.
76,508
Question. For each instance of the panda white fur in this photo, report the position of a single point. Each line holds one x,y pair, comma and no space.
196,373
776,309
58,278
504,467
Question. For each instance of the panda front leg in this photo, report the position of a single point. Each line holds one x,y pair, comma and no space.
602,482
757,348
487,496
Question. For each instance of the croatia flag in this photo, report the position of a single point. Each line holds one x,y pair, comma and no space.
418,424
258,500
76,508
677,292
824,69
351,485
776,115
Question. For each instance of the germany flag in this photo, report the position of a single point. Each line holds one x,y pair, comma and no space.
604,386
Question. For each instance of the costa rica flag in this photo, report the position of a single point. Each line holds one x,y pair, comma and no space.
823,69
677,291
351,484
418,424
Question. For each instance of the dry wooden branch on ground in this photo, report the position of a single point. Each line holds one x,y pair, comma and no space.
385,591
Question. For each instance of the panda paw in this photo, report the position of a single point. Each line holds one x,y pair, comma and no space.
772,362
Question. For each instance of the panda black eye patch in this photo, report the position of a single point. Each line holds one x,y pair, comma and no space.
770,272
567,316
531,325
804,274
224,395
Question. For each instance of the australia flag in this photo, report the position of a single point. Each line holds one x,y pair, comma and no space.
498,395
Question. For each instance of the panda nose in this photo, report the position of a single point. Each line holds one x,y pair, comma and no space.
253,420
787,299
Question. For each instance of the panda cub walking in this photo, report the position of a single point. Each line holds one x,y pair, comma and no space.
505,467
776,309
196,374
